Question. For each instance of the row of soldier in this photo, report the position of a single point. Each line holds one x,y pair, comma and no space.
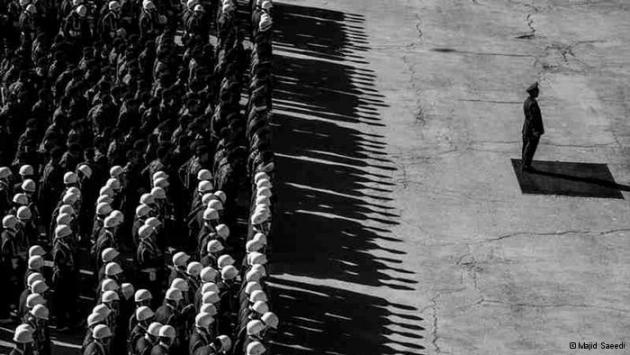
128,84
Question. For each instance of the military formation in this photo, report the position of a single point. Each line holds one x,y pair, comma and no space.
134,142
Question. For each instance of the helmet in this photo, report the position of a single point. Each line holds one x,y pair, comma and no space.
216,204
113,6
34,299
103,209
154,329
39,287
194,268
113,269
259,268
226,343
20,199
142,210
36,250
36,276
206,198
67,209
101,331
70,177
260,238
148,5
263,183
95,318
62,231
210,297
35,262
254,327
85,169
208,308
189,5
167,331
208,274
145,231
225,260
203,320
107,191
5,172
199,8
31,9
109,254
266,5
143,313
74,190
229,272
102,310
173,294
23,334
253,276
158,193
118,215
263,200
204,185
109,296
81,10
159,175
264,191
153,222
161,182
180,284
147,199
110,222
127,290
63,218
221,196
214,246
270,319
70,198
260,307
180,258
255,348
265,22
109,285
210,214
24,213
260,175
252,286
209,286
256,258
142,295
115,171
29,185
104,199
252,246
258,295
9,221
203,174
223,231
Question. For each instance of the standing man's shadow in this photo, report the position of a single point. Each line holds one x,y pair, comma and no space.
569,179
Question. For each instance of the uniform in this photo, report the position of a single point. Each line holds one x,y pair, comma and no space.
64,282
532,128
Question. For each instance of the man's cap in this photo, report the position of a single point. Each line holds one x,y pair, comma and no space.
532,87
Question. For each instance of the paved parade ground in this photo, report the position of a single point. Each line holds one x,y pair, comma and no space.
405,228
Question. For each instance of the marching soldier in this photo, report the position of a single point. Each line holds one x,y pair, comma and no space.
100,343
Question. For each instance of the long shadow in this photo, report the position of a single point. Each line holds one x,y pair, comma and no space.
334,193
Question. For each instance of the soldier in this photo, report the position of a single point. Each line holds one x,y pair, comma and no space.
12,258
76,26
100,343
50,185
106,238
142,298
150,20
150,261
64,278
23,339
143,346
202,333
532,128
38,320
98,316
167,340
144,316
109,24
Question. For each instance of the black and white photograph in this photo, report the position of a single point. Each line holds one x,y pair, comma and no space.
293,177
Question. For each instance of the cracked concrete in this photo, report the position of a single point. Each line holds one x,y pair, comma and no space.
499,272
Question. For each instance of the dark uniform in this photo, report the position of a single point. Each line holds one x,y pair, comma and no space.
532,128
64,281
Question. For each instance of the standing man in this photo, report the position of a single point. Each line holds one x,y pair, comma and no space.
532,128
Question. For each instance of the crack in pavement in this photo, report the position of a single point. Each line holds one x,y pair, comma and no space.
434,332
559,305
555,234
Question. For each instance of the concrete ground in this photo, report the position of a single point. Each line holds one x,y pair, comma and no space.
403,228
